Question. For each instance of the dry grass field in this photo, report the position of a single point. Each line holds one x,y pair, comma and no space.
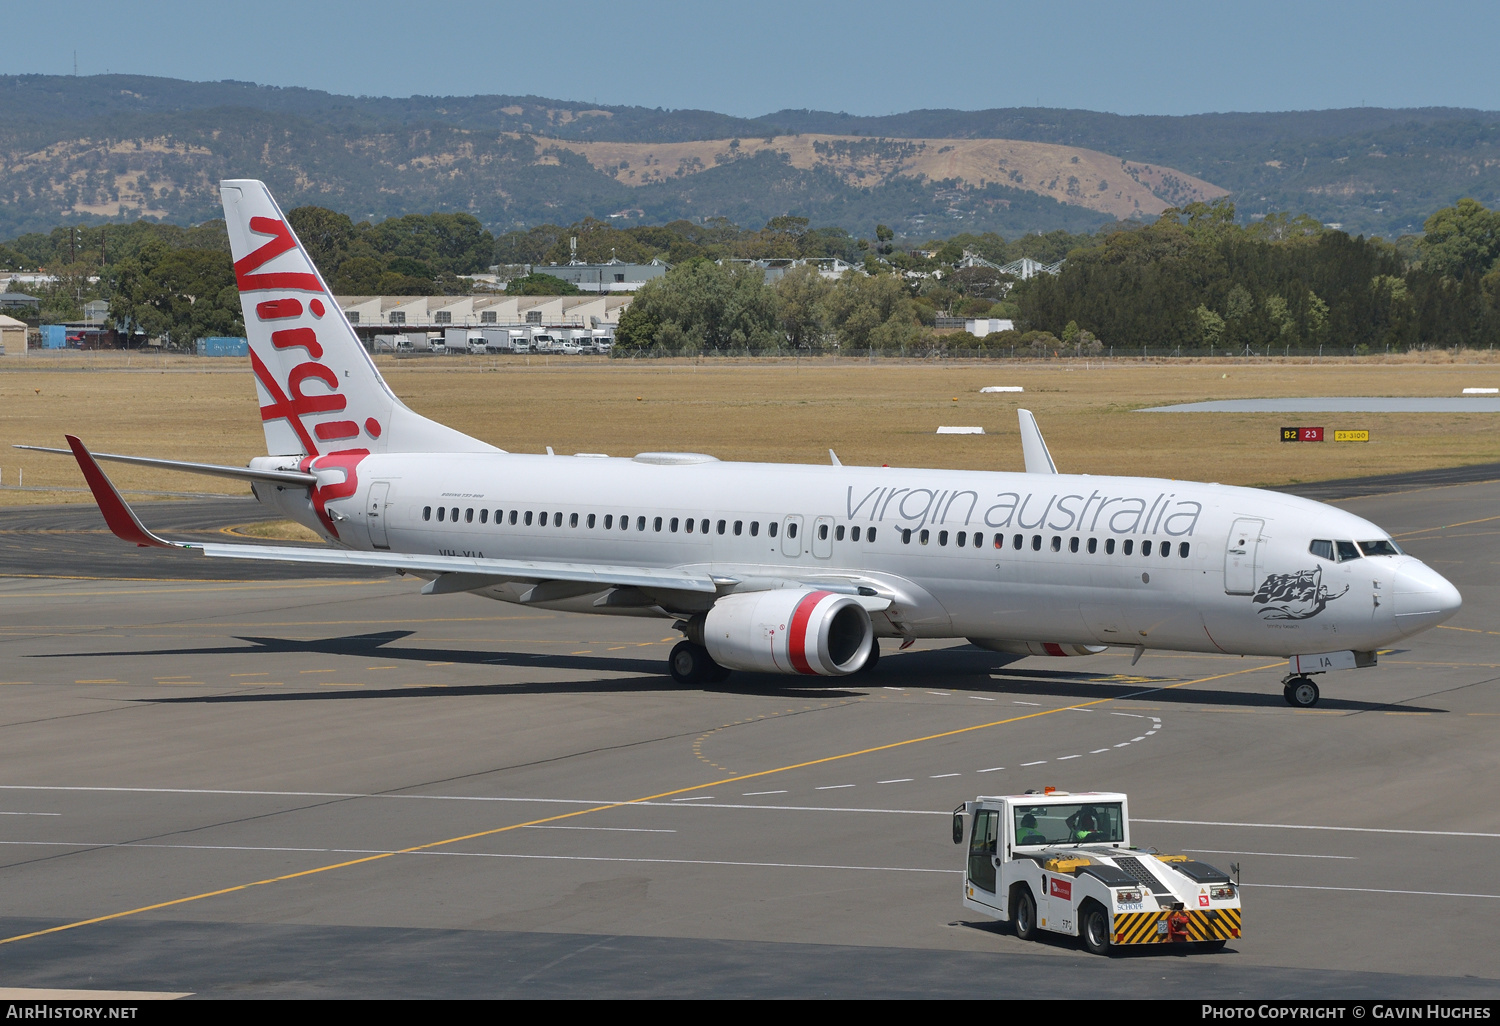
1068,174
776,410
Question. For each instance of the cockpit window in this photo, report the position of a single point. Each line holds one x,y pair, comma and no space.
1347,551
1322,548
1383,547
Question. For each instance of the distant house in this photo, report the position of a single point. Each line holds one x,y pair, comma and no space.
20,301
12,336
613,276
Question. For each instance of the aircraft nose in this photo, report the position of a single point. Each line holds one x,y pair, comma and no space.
1422,597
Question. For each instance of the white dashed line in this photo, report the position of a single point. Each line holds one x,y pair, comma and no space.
1150,732
899,780
831,787
1137,739
1065,758
992,769
981,698
1099,751
700,798
621,830
1134,716
941,694
752,794
1039,762
1123,744
940,776
1019,702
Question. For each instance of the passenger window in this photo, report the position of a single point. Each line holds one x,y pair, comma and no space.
1109,546
591,521
528,518
656,523
823,533
737,525
453,514
754,528
961,539
770,529
854,534
1018,542
689,525
640,523
720,527
1166,549
557,520
572,519
1093,545
541,519
513,518
942,537
484,516
791,529
1073,544
1056,543
703,527
442,513
1182,549
672,525
838,532
1145,547
1346,551
1128,546
1036,543
924,536
609,521
1322,548
978,540
999,540
469,516
868,537
426,512
905,536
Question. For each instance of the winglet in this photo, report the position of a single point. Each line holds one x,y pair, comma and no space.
835,457
1038,459
120,517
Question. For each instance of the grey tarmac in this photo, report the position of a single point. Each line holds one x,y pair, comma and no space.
226,782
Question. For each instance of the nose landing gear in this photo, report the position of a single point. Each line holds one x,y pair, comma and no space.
1300,692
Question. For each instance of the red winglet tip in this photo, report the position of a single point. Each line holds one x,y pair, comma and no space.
117,514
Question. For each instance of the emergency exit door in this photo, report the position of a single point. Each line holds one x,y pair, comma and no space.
375,514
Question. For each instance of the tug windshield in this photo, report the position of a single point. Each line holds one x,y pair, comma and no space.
1084,823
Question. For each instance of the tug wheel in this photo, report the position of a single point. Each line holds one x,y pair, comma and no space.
1025,916
1301,693
1095,930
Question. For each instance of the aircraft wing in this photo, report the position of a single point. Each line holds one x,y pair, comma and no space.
472,572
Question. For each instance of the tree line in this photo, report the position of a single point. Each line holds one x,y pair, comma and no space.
1194,280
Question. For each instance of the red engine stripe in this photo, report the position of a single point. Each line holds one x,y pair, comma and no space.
1053,650
797,636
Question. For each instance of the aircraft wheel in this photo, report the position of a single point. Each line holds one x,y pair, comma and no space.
1301,693
1096,930
1025,915
690,663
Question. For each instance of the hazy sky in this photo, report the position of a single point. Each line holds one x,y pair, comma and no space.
757,56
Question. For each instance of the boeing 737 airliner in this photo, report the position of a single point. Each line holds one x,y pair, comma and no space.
781,568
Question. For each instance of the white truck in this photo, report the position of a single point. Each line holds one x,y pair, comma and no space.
1064,862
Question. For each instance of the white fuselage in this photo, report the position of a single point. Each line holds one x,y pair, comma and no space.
1082,560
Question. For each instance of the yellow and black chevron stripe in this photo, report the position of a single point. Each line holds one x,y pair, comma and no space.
1204,924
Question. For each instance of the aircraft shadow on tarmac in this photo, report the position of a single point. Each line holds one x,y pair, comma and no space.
966,666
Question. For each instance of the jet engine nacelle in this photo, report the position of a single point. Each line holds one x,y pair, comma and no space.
789,631
1037,648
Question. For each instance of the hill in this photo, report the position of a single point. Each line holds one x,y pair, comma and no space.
116,147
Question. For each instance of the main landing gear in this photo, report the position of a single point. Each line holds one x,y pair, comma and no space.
690,663
1300,692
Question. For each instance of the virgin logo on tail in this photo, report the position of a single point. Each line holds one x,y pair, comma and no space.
292,404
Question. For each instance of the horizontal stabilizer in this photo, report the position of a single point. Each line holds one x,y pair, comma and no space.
291,477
